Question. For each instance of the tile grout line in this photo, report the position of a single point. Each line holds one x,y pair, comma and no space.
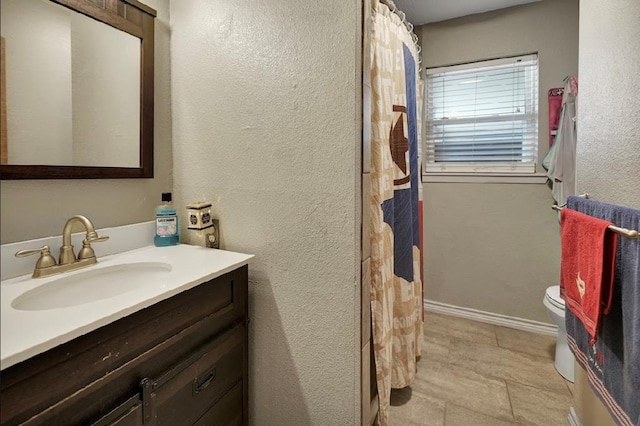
526,353
546,356
566,382
480,413
489,375
454,404
537,357
506,385
518,382
564,410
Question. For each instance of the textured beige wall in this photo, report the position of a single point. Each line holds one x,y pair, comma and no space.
39,208
495,247
608,153
492,247
266,106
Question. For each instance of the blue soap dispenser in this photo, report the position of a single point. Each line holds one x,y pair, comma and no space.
167,233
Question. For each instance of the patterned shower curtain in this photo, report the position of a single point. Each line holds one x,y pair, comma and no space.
396,192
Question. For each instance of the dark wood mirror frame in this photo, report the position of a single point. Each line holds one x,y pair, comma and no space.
136,19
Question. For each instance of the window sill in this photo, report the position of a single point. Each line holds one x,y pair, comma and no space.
535,178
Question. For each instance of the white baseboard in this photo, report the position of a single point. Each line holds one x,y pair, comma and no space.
573,418
491,318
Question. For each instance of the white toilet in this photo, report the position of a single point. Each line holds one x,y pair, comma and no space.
555,309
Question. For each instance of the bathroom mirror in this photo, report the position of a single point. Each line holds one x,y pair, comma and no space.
77,89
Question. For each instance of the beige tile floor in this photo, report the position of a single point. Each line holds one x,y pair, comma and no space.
477,374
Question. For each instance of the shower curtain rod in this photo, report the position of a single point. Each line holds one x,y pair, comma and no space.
392,6
629,233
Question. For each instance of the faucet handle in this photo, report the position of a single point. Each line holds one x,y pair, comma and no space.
93,237
98,239
29,252
86,251
45,260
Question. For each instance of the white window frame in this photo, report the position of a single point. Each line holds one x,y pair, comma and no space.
437,171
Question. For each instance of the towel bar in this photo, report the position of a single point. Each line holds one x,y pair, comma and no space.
629,233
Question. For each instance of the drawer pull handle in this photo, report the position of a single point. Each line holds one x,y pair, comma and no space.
199,385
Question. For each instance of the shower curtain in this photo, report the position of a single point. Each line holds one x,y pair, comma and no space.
396,282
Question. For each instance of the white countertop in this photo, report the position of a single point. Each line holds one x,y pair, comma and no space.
28,333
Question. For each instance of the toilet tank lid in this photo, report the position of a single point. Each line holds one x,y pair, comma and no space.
553,293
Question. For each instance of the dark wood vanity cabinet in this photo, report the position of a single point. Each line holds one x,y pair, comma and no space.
182,361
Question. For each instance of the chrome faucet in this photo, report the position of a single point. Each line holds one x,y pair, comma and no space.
46,264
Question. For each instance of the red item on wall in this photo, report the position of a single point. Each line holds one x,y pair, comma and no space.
555,107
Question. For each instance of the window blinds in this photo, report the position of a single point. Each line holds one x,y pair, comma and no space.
483,116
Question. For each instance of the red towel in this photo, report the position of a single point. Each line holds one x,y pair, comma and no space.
587,268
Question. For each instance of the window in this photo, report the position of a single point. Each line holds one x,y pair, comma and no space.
483,117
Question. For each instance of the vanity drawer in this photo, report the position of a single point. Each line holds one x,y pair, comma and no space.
127,414
132,418
188,391
227,411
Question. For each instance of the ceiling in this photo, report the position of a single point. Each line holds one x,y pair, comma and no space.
424,11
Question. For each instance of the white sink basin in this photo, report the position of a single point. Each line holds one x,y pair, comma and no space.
92,285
